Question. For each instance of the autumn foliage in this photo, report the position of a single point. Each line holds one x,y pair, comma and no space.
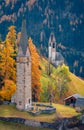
8,89
7,65
8,51
36,74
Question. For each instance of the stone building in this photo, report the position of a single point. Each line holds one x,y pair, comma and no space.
23,95
54,57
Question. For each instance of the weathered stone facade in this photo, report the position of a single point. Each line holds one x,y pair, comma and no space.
23,98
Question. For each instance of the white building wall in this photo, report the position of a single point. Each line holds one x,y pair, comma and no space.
50,52
53,56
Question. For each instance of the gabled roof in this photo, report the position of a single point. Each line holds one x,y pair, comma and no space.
24,39
75,96
80,102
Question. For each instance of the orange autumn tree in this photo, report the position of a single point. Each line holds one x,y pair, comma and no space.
7,90
11,36
36,74
7,66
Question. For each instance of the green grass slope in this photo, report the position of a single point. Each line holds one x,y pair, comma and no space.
75,86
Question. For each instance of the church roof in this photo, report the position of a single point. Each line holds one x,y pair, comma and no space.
80,102
76,96
59,57
24,39
52,38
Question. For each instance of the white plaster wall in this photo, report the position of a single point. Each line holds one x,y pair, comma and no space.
50,52
53,55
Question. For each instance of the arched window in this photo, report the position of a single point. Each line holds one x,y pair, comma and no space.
53,45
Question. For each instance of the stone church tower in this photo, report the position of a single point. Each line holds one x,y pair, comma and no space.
23,96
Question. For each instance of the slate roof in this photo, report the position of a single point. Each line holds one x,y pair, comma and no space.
59,57
75,96
52,38
80,102
24,38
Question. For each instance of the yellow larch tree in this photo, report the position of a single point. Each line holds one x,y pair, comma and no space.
12,35
8,89
7,65
36,74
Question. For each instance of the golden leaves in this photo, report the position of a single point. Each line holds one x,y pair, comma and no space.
7,65
36,74
8,90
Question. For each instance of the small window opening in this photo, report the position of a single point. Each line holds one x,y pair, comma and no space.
53,45
29,101
20,103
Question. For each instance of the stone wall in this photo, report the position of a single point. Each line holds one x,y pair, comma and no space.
28,122
48,110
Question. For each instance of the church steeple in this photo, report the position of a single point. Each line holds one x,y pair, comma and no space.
52,48
23,97
24,39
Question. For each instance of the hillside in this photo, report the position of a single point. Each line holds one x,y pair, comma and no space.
76,85
64,17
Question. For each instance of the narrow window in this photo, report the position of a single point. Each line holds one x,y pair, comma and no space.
29,101
20,103
53,45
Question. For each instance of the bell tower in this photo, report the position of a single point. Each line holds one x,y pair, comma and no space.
23,64
52,48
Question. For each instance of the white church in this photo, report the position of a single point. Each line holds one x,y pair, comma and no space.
55,57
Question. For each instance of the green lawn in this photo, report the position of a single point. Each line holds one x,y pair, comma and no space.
65,111
76,85
11,111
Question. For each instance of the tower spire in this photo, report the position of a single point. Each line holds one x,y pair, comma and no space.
24,39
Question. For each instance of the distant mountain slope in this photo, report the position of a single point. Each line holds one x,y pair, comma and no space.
64,17
75,86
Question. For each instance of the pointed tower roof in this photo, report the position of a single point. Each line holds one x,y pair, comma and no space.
24,39
52,38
